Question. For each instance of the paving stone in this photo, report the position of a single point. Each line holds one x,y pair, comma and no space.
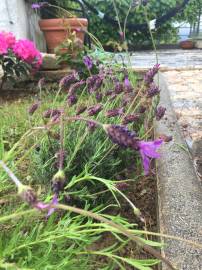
186,59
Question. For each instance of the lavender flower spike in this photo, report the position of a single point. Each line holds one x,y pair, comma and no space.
122,136
71,100
93,110
148,151
149,76
153,90
67,80
39,5
160,111
33,108
114,112
127,85
88,62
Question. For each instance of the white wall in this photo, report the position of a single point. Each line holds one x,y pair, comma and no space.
17,16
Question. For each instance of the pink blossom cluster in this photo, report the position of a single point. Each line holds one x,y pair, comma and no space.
7,41
26,50
23,49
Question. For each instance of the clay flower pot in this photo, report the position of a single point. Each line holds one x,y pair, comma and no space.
56,30
187,44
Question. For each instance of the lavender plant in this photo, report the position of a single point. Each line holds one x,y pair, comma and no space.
86,145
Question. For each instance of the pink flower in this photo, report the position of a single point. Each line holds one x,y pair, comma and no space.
148,151
26,50
3,44
10,39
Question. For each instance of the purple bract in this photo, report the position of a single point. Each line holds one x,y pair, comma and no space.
88,62
148,150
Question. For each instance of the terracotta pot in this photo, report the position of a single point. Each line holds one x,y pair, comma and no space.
187,44
56,30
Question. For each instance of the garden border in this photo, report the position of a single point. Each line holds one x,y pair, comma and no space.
179,191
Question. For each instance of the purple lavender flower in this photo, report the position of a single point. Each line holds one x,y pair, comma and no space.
122,136
51,113
94,82
114,112
39,5
126,99
41,83
160,111
118,88
69,79
54,202
142,109
113,96
88,62
122,185
148,151
91,126
149,76
127,85
98,96
109,93
93,110
81,109
71,99
56,118
130,118
76,86
27,194
33,108
153,90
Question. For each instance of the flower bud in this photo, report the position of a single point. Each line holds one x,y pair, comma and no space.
67,80
51,113
93,110
75,86
58,181
80,109
130,118
160,111
33,108
27,194
71,99
91,126
98,96
114,112
118,88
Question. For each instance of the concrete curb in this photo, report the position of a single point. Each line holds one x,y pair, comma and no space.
179,192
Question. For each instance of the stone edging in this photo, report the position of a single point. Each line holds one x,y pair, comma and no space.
179,192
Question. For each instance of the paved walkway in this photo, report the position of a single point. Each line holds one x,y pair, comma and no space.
185,89
169,59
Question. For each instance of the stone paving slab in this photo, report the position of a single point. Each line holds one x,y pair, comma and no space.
174,58
185,88
179,192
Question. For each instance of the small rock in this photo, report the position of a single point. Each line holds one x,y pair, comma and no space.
49,62
197,148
